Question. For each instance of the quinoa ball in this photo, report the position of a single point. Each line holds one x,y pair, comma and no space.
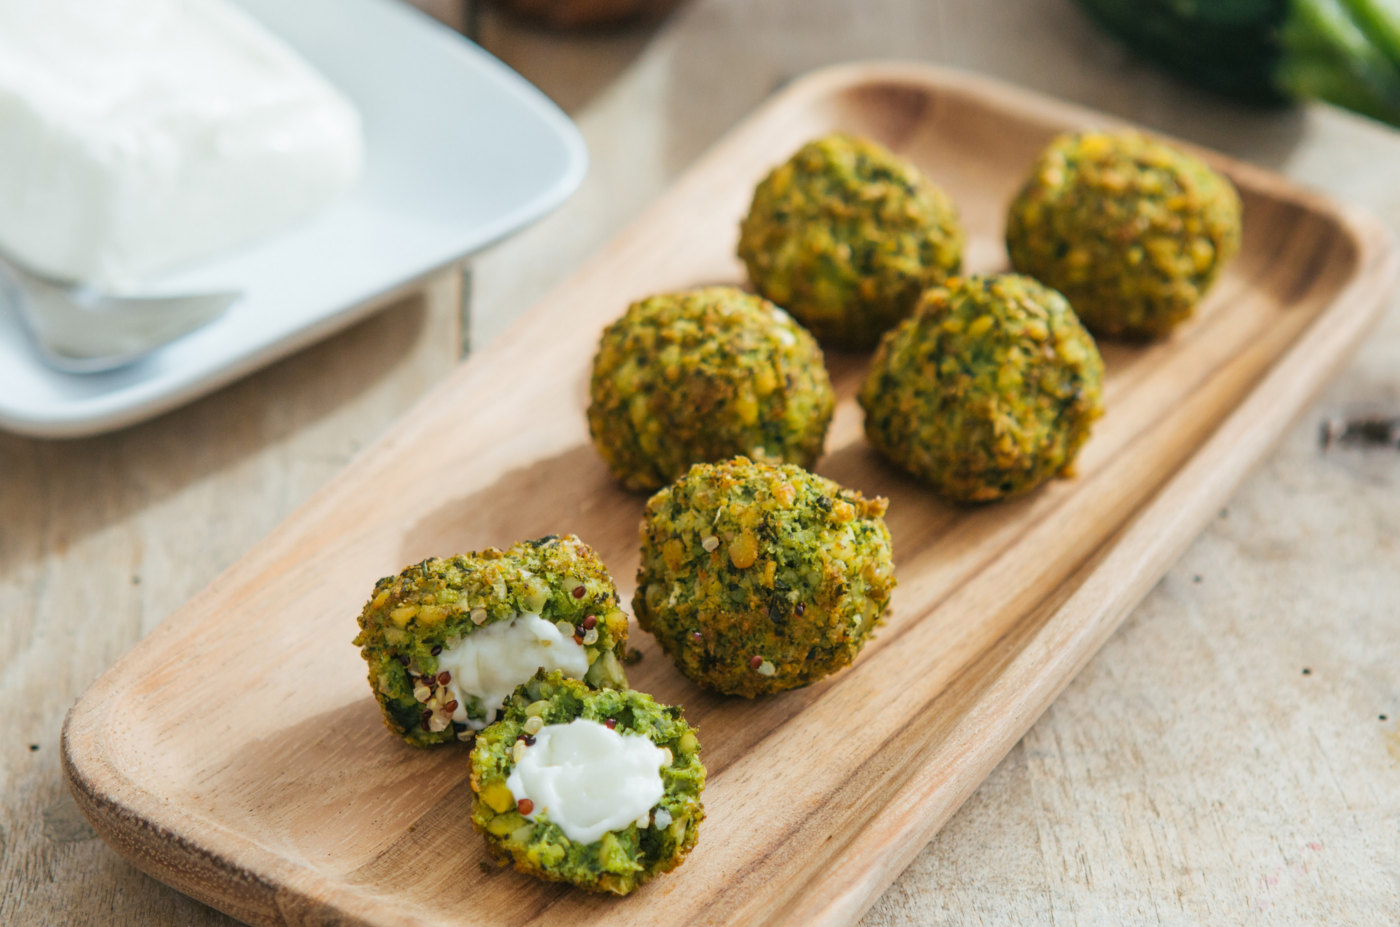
448,640
597,788
704,375
987,391
1130,230
757,578
845,236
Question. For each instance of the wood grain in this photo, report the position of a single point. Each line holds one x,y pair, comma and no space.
102,538
291,805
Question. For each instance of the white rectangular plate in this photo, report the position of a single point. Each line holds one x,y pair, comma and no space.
461,152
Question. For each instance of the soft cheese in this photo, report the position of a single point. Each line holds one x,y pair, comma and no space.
589,779
139,134
489,663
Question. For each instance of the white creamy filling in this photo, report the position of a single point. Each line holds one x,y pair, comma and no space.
589,779
490,662
138,134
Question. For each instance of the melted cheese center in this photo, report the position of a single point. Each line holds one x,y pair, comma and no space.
589,779
490,662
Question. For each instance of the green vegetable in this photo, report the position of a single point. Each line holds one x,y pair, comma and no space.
1131,231
704,375
756,578
845,235
988,390
620,860
1344,51
412,618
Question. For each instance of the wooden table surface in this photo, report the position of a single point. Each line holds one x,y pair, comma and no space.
1231,757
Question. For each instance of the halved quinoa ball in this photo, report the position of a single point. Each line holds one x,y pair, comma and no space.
448,640
597,788
703,375
987,391
845,235
757,578
1132,231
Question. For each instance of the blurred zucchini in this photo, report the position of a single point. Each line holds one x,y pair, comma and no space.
1344,51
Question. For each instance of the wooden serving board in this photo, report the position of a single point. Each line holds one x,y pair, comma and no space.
236,753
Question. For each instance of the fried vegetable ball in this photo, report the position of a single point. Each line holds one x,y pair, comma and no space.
598,788
448,640
757,578
704,375
987,391
846,236
1130,230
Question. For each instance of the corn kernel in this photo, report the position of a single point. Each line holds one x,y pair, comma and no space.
743,550
498,798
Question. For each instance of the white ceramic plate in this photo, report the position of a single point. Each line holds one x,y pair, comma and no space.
461,151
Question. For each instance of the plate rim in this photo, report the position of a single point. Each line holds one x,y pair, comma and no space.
115,410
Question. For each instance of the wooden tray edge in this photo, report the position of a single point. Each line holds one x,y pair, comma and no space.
1188,501
265,889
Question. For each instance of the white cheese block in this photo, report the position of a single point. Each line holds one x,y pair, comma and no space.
139,134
